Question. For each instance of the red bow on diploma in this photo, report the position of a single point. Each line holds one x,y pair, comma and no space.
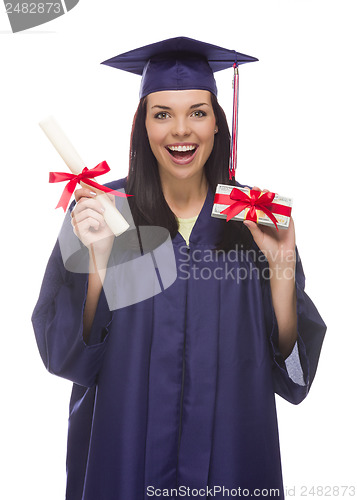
256,201
86,175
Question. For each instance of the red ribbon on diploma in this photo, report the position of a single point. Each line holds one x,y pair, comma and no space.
86,175
256,201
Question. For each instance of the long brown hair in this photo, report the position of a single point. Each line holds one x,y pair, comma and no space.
148,205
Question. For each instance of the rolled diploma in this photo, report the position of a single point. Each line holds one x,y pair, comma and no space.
55,134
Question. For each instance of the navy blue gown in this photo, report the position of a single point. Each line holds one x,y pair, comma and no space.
177,391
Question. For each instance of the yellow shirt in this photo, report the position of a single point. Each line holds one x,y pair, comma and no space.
185,227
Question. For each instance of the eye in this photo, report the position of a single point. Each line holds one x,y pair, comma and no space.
162,115
199,114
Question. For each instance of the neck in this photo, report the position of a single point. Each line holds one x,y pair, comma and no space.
185,197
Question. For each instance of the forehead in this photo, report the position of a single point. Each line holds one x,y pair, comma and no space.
179,98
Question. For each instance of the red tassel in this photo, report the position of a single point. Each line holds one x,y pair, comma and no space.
233,156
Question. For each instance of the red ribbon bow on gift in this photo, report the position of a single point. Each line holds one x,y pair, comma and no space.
256,201
86,175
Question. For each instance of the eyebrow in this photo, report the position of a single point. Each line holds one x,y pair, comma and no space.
167,108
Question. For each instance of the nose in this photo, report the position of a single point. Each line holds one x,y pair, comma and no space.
181,127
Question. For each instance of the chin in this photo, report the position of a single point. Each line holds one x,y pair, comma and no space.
181,172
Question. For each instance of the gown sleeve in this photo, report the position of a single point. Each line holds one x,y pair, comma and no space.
58,323
293,376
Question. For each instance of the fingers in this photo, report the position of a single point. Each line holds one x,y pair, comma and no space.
111,197
261,235
256,188
84,192
86,199
85,203
86,225
253,227
89,213
256,232
81,193
89,225
250,225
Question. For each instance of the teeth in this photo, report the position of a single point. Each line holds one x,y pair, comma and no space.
182,148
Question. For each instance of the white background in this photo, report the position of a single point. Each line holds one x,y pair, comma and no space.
297,137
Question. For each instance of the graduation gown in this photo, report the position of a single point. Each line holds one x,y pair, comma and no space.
177,391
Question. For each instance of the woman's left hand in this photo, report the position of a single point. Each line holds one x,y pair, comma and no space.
279,249
277,246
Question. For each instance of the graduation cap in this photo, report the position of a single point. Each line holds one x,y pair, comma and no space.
183,63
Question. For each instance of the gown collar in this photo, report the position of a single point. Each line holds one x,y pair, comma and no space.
207,230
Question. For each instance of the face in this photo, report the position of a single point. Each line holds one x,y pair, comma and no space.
181,126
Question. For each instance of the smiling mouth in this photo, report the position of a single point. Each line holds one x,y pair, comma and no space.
182,153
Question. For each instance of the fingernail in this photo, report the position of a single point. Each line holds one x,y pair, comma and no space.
102,209
93,193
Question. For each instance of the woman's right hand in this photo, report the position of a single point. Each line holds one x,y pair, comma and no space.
89,224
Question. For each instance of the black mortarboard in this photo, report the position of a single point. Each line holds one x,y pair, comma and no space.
182,64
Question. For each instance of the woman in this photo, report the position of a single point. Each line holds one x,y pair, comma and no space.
174,395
